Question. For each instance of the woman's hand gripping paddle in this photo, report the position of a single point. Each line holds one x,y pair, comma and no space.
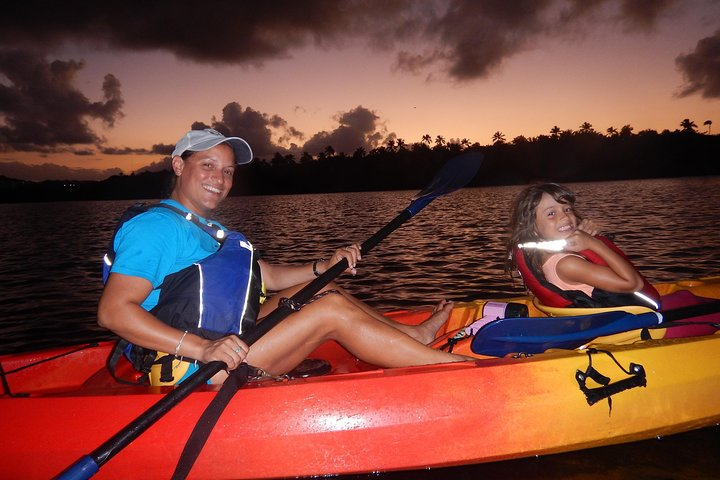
455,174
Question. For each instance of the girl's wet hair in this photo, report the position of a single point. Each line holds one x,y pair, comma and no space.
522,217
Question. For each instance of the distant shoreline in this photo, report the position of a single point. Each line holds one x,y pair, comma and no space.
575,157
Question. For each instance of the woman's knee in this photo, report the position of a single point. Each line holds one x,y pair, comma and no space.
329,306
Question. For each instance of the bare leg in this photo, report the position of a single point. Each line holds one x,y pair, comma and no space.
423,333
335,317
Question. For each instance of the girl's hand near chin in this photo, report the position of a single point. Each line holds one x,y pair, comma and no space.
589,227
579,240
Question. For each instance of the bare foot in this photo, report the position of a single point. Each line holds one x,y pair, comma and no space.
426,331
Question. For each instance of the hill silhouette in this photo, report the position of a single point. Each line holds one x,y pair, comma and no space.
563,156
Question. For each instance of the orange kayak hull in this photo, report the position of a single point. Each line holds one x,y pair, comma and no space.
358,418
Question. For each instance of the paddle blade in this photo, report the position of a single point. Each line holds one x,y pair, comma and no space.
455,174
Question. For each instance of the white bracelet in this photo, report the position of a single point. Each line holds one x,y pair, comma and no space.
177,349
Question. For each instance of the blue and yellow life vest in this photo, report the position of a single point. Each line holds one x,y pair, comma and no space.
218,296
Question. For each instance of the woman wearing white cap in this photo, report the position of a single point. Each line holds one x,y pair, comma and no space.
159,244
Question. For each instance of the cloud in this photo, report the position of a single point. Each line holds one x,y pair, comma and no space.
458,39
359,127
639,15
158,166
123,151
257,128
162,149
701,68
222,32
36,173
634,15
269,134
42,110
469,39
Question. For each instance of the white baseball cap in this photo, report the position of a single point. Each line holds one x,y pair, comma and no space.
201,140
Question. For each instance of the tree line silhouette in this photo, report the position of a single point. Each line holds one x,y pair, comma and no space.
562,156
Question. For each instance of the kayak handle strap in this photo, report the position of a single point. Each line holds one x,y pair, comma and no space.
593,395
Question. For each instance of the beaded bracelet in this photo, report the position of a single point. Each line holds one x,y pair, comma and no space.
177,348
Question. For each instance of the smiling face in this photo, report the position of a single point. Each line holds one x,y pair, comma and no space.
204,179
554,220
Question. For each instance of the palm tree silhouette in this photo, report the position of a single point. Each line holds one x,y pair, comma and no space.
427,139
612,132
586,127
306,158
498,137
359,153
709,124
555,131
688,125
439,140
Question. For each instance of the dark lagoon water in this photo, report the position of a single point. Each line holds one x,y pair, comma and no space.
50,264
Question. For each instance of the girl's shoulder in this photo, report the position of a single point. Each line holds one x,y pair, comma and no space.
554,258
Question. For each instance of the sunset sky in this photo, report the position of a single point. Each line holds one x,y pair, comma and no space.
88,90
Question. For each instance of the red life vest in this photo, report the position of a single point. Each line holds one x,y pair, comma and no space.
553,296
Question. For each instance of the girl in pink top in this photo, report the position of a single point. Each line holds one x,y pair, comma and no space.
547,212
